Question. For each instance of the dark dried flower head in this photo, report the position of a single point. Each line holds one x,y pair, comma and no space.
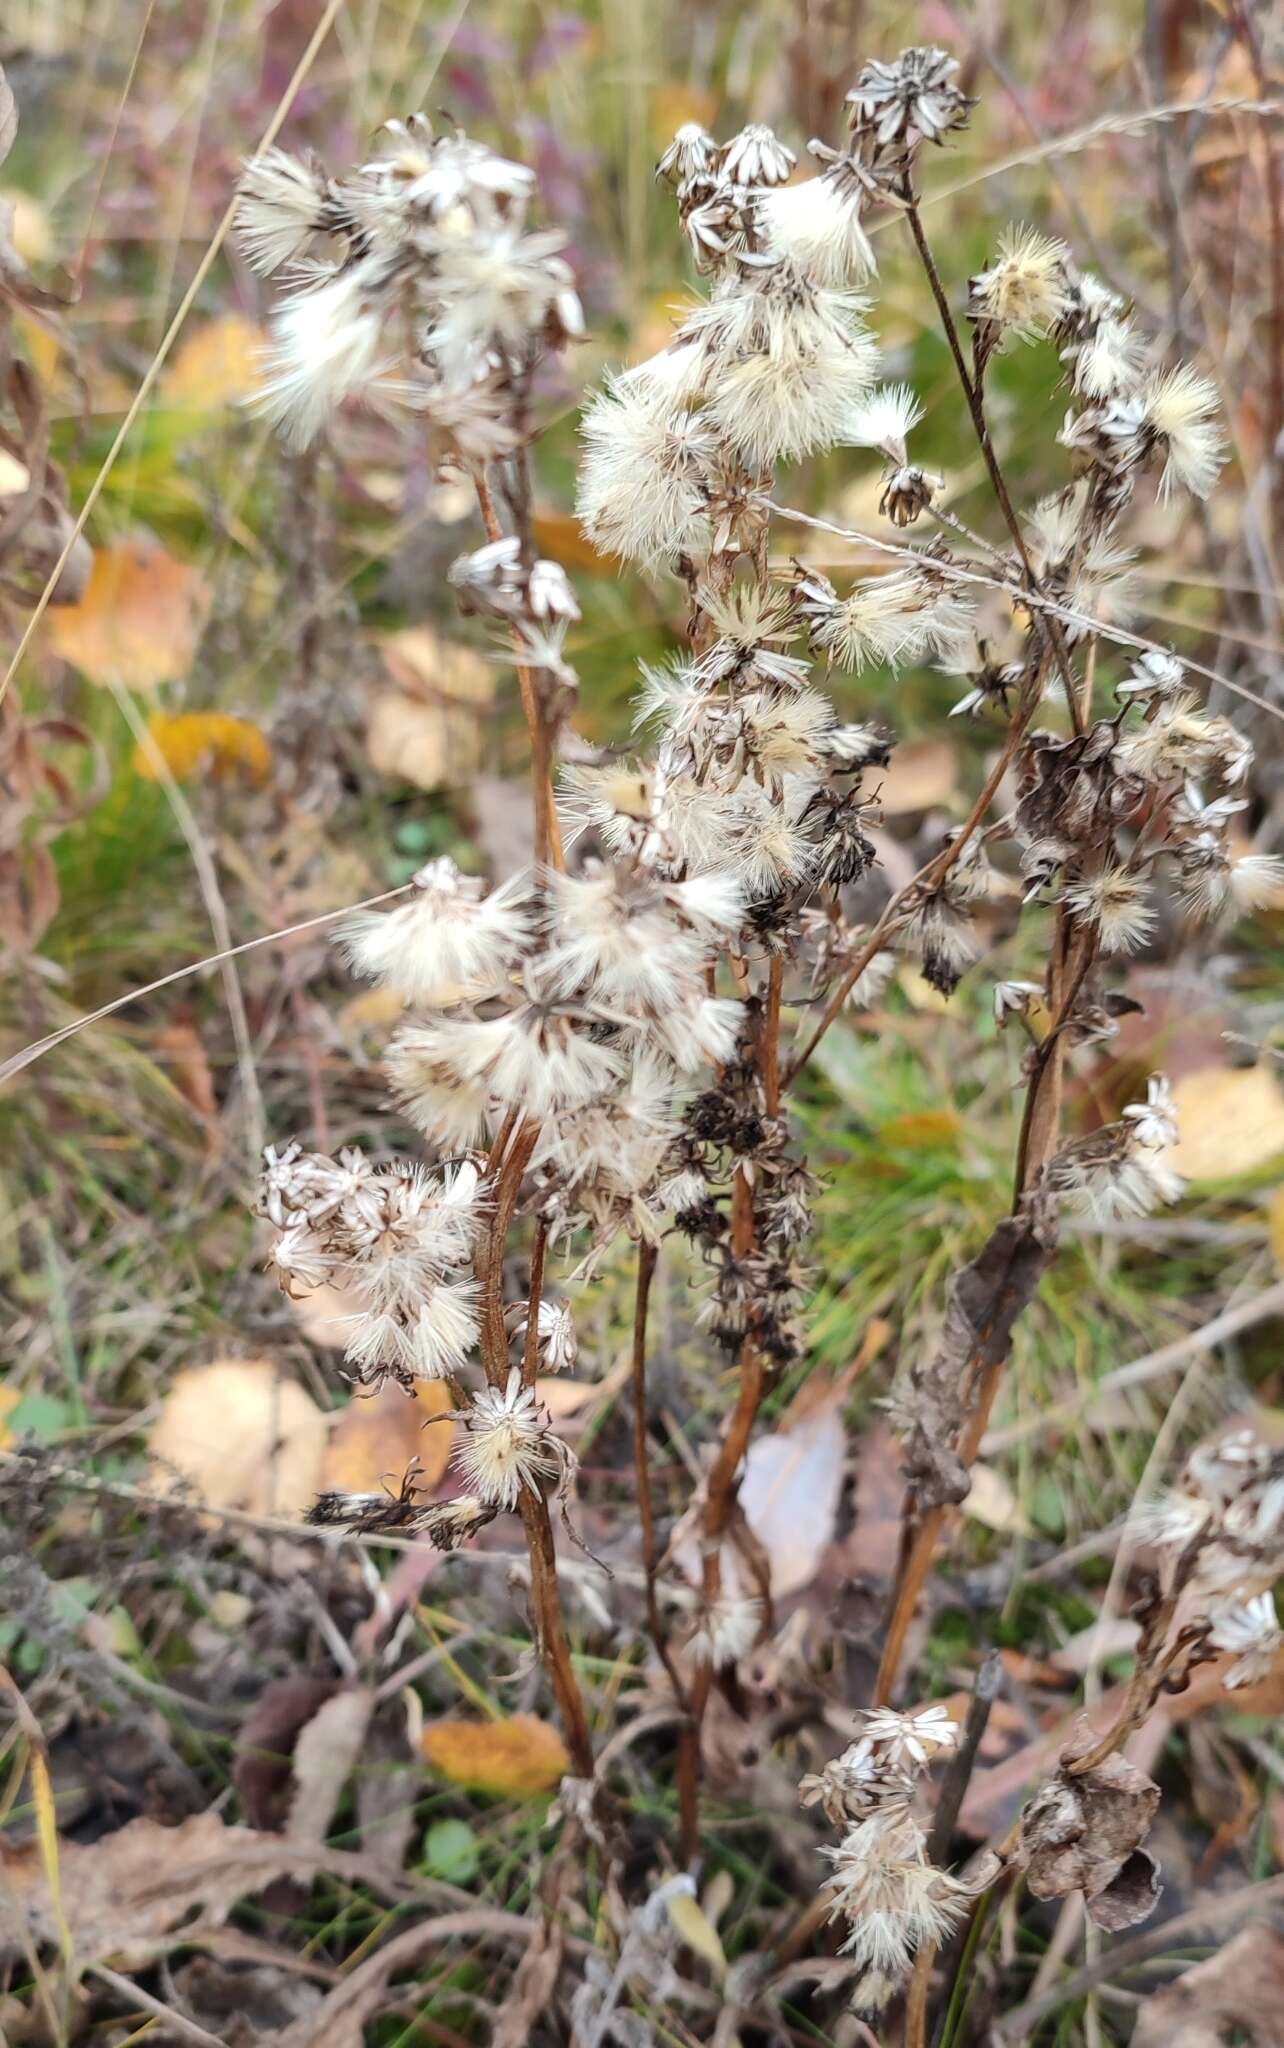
912,99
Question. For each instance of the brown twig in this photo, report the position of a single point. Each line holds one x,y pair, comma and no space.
647,1257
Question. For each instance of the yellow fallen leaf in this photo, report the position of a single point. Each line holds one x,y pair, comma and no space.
216,365
140,617
238,1434
1230,1121
560,535
376,1437
9,1400
693,1927
1275,1226
515,1758
192,741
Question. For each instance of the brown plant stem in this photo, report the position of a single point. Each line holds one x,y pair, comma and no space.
647,1257
510,1156
1040,1128
548,835
551,1631
720,1504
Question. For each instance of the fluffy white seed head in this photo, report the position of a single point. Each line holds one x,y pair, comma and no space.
1183,409
448,944
326,346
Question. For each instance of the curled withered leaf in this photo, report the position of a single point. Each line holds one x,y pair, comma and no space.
1129,1897
1084,1833
986,1298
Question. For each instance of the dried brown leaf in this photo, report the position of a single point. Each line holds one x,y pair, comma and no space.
325,1751
531,1992
239,1434
127,1893
261,1770
1084,1833
919,777
986,1298
1237,1995
376,1437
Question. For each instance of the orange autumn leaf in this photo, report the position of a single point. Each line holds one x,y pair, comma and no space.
375,1439
515,1758
560,535
192,742
139,620
216,366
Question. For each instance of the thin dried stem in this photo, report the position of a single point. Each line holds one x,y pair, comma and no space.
647,1258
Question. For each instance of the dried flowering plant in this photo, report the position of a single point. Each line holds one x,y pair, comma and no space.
602,1047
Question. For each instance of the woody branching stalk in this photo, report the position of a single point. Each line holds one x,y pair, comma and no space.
603,1049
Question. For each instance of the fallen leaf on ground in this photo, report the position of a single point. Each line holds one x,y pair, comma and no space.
993,1503
693,1927
181,1051
10,1398
140,617
790,1493
376,1437
324,1315
325,1751
124,1894
375,1010
262,1767
212,743
238,1434
875,1542
241,2003
216,365
565,1397
427,727
919,777
531,1991
1230,1121
515,1758
560,535
1236,1995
